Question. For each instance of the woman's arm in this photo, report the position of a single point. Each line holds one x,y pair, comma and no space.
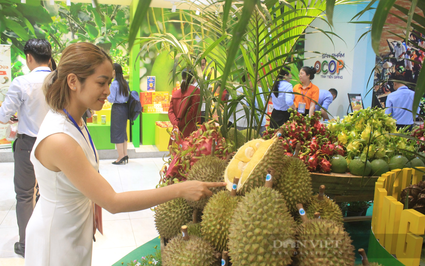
60,152
312,109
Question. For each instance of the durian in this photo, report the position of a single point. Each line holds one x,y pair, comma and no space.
260,221
194,227
185,250
207,169
323,242
216,219
327,208
251,163
170,216
294,182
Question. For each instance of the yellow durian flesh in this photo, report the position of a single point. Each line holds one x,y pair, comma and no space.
240,167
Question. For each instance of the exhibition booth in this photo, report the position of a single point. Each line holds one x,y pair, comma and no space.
357,161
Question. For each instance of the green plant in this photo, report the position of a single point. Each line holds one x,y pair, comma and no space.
252,39
148,260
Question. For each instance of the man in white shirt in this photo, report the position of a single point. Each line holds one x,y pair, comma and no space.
26,97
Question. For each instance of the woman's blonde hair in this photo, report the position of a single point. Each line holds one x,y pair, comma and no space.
80,59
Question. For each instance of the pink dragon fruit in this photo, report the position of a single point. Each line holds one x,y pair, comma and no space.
325,165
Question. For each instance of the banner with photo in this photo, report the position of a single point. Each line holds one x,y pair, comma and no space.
5,80
396,56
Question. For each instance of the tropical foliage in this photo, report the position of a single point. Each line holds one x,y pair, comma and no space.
61,25
238,39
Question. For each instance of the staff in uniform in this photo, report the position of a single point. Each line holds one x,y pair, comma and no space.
308,93
325,99
282,100
402,97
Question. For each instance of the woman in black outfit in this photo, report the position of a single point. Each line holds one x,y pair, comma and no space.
119,113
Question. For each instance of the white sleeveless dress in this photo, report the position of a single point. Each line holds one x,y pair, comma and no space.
60,231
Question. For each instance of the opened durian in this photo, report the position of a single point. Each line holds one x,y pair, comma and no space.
185,250
323,242
171,215
251,163
327,208
216,219
260,221
207,169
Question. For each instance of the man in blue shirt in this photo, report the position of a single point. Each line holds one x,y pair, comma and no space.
402,97
325,99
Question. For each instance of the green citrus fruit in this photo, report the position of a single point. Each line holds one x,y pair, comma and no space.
416,162
339,164
398,162
357,167
379,167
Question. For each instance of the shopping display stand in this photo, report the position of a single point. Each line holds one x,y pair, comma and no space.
101,135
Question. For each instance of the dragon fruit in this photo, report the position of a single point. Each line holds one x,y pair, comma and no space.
185,152
325,165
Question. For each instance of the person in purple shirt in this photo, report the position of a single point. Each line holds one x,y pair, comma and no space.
401,98
325,99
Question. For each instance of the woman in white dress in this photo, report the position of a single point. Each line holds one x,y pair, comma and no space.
60,231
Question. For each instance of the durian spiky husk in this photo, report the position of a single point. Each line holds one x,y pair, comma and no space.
170,216
252,162
324,241
293,182
194,229
195,251
259,220
207,169
216,219
327,208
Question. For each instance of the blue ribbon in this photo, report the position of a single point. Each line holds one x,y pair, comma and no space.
76,125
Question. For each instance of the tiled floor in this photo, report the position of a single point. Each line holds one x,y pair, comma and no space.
123,232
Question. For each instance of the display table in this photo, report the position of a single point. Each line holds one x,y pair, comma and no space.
101,135
345,187
143,250
148,126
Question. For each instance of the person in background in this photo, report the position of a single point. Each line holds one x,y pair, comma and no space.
66,164
52,64
307,93
184,106
119,113
26,97
325,99
402,97
282,100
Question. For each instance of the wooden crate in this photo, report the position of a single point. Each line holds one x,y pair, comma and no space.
345,187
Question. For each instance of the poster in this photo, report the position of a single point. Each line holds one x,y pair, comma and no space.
396,56
5,80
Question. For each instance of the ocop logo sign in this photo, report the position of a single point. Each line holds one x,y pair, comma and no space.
332,66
